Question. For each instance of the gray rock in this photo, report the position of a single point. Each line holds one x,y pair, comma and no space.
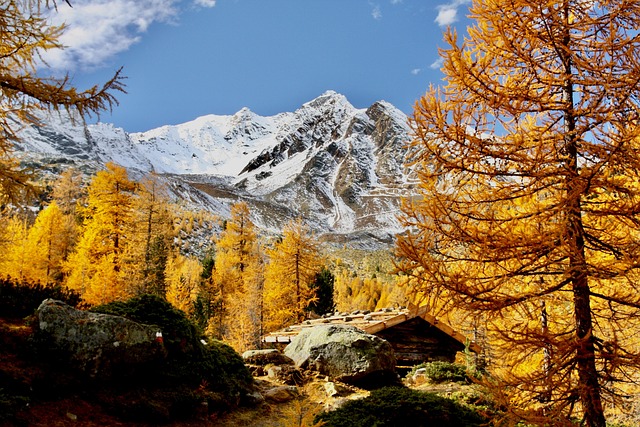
344,353
286,374
266,357
334,389
254,398
99,345
419,376
281,394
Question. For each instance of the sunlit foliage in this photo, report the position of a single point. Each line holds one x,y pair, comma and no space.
527,215
293,263
238,279
95,268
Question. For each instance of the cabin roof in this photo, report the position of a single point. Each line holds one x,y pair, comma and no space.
371,323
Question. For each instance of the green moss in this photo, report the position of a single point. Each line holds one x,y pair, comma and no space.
396,406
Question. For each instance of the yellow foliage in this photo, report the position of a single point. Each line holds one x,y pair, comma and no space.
150,235
182,280
302,413
96,268
238,278
105,284
292,266
529,185
49,242
68,191
16,257
366,281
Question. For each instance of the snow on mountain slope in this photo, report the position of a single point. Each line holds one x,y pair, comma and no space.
339,167
213,145
62,138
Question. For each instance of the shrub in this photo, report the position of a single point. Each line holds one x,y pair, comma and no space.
222,365
20,299
478,400
213,365
396,406
180,335
442,372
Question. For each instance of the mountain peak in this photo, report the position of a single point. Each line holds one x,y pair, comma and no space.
244,113
331,93
243,118
329,98
383,107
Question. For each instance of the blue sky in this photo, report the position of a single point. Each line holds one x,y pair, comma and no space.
187,58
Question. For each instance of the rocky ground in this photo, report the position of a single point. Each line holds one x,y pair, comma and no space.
39,397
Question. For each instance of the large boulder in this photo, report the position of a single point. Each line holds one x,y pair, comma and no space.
344,353
99,345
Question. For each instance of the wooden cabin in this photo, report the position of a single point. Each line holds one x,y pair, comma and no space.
415,335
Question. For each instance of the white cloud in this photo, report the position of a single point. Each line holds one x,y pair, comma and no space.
416,71
396,2
448,13
437,64
205,3
98,30
376,12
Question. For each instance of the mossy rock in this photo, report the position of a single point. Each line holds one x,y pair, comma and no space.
344,353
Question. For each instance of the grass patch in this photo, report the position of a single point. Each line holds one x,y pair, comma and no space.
397,406
443,372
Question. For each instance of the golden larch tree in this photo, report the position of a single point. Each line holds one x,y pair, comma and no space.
15,259
527,215
150,235
293,263
182,279
68,191
49,242
238,280
95,268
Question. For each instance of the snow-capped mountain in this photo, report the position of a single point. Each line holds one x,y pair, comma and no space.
339,167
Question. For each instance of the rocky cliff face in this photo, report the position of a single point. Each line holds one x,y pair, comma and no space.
341,168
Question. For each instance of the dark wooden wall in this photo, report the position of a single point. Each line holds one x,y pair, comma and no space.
416,341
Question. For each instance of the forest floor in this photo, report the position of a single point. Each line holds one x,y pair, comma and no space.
38,397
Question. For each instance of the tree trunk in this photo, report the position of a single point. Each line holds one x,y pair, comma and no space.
589,388
546,353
